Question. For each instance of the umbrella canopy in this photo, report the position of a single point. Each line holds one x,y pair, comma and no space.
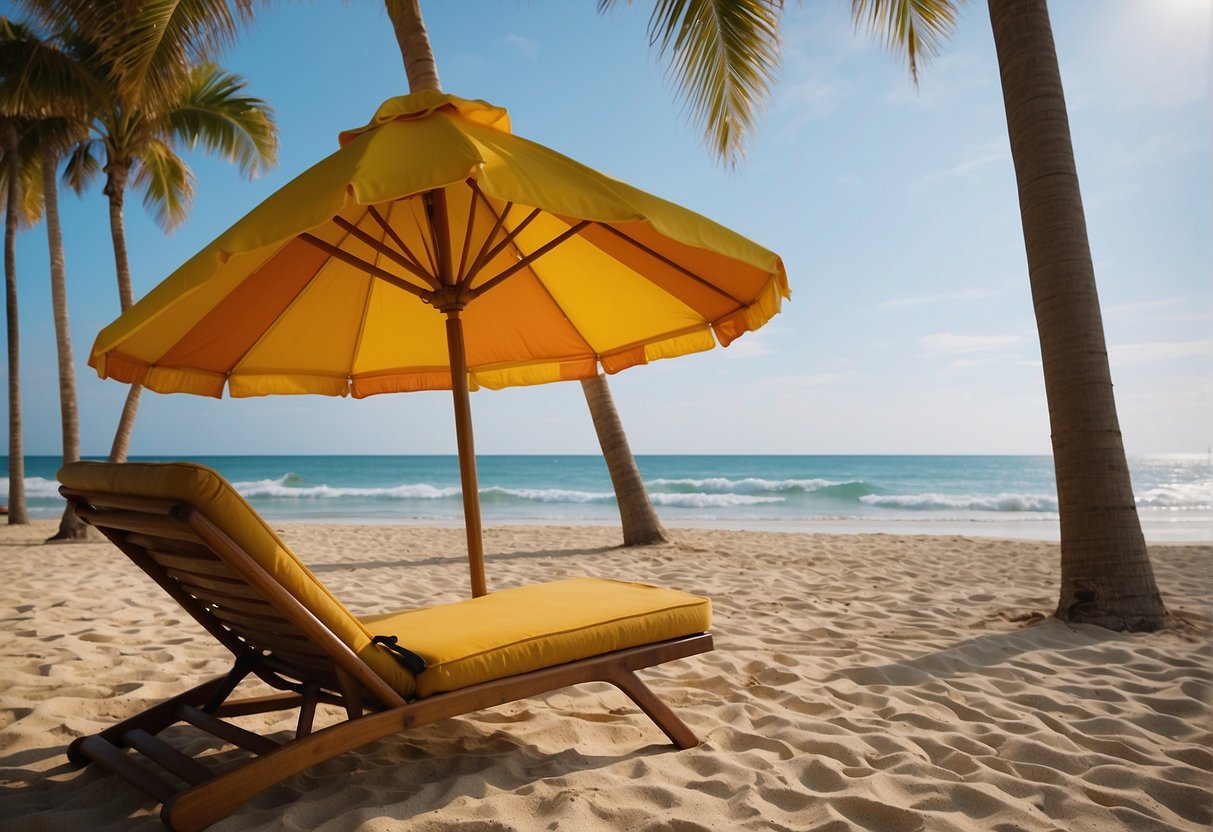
543,269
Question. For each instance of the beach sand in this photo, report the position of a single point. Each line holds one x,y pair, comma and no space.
866,682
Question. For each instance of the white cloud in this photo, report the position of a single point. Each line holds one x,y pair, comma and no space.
1135,311
963,363
810,99
788,384
1130,309
524,45
1167,351
915,300
948,342
969,165
748,348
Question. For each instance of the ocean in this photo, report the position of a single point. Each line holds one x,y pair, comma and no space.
1001,496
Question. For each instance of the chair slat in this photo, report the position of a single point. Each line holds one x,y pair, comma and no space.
249,605
283,645
213,588
133,521
167,757
146,505
119,762
264,617
239,622
226,731
164,544
209,566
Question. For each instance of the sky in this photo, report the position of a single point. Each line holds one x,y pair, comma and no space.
910,329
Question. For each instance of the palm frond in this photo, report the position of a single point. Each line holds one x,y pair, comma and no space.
40,78
29,179
167,184
913,28
83,165
163,37
214,111
723,58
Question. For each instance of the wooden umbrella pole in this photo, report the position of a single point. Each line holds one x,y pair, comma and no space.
451,304
467,451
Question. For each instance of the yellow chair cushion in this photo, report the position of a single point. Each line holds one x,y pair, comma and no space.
211,494
532,627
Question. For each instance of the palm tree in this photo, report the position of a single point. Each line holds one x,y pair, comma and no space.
10,136
158,93
134,144
1106,576
43,82
641,526
638,519
724,54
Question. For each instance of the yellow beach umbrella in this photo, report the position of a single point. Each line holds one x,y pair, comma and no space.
436,250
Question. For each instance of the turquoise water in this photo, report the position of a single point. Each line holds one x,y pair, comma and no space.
982,495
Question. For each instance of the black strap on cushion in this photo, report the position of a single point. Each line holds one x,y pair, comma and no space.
412,662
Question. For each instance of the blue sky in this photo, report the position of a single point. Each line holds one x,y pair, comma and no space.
910,329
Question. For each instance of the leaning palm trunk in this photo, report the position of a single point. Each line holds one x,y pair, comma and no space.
115,189
70,526
16,460
640,523
1106,578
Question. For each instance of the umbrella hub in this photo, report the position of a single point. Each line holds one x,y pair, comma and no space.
451,298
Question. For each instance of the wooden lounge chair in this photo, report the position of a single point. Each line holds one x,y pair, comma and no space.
200,541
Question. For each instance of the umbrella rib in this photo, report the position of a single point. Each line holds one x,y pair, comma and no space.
369,268
509,238
428,200
478,262
665,336
667,261
260,339
391,232
556,304
467,234
421,233
387,251
532,257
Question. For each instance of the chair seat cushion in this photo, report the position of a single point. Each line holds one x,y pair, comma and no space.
532,627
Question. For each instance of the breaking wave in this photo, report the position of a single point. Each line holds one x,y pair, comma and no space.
699,500
749,485
953,502
1196,496
282,487
35,487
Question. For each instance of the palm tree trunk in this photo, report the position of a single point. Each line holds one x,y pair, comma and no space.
1106,577
17,512
71,527
414,41
115,189
640,524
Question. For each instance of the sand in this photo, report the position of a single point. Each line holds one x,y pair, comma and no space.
867,682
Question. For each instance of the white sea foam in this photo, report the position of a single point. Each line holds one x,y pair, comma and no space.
34,487
700,500
1179,496
551,495
944,502
749,485
280,488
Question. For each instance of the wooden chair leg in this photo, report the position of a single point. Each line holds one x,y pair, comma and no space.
658,711
198,807
307,710
153,720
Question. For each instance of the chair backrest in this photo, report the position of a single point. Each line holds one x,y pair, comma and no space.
193,533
